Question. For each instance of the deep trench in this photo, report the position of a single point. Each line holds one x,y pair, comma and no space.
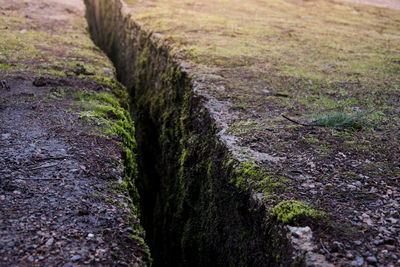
193,215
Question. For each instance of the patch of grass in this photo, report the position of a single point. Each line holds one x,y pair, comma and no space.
109,200
340,119
4,66
312,139
238,106
244,127
292,212
56,94
21,46
294,38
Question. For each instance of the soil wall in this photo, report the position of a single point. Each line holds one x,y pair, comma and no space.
192,214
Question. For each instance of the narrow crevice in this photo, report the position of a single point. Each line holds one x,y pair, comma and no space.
192,213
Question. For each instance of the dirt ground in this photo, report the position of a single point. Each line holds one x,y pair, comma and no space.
60,200
273,69
58,206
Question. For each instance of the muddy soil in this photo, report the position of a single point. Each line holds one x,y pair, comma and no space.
60,200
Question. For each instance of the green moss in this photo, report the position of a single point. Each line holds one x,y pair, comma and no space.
105,109
95,195
246,172
292,211
141,241
250,175
312,139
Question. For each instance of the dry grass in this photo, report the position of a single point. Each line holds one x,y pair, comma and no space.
315,39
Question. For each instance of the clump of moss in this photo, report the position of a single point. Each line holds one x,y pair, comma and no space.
246,171
249,174
105,108
292,212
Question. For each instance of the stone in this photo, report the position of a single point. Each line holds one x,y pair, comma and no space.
349,255
351,187
50,242
358,262
372,259
75,258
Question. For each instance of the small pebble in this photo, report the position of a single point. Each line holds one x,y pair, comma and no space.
50,242
349,255
372,259
352,187
75,258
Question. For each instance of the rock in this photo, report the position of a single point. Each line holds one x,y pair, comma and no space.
90,235
42,234
129,229
358,262
351,187
378,242
39,82
372,259
31,259
357,242
5,136
4,85
50,242
337,247
349,255
75,258
258,196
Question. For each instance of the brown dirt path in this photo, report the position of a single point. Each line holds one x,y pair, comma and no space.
60,203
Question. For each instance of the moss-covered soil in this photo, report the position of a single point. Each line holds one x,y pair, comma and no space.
67,147
308,97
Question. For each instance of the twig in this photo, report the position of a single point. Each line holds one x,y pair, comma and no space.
299,123
323,246
44,166
50,158
44,179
